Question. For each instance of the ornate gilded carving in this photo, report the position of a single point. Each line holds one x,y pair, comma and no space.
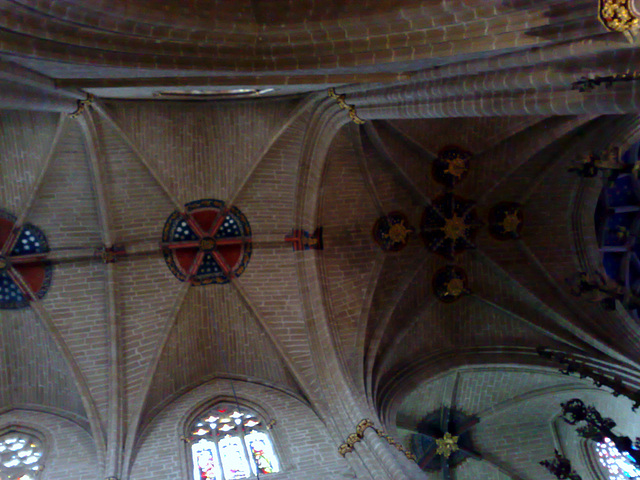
506,220
450,283
449,225
81,106
617,16
361,428
451,166
344,449
447,445
392,231
398,445
341,101
355,437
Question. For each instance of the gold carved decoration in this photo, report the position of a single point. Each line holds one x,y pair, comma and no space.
341,101
355,437
456,166
361,428
81,106
455,287
455,227
398,232
511,222
398,445
618,16
447,445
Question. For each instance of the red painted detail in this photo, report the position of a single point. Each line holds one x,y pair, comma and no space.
222,215
177,245
231,254
23,259
196,263
6,227
10,241
32,274
205,219
222,263
195,226
22,285
232,241
186,257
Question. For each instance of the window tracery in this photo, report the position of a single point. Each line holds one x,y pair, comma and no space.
616,465
21,456
228,442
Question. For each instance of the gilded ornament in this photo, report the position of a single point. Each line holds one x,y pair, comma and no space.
457,166
207,243
391,232
511,222
344,449
81,106
362,427
398,233
506,220
353,439
447,445
455,287
455,227
342,103
617,16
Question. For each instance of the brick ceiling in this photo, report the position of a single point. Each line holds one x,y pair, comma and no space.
349,331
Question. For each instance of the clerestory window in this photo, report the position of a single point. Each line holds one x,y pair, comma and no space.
227,442
21,456
615,464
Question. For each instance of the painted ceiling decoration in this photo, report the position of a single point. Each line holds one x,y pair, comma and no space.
506,221
451,166
25,273
442,440
135,134
392,231
208,243
449,225
450,283
303,240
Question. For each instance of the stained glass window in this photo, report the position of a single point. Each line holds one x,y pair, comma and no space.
615,463
228,442
21,456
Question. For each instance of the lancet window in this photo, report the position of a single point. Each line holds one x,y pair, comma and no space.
230,442
21,456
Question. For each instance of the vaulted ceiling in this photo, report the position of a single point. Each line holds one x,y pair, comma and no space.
352,329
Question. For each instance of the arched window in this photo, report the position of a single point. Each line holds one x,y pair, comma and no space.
616,465
227,442
21,456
